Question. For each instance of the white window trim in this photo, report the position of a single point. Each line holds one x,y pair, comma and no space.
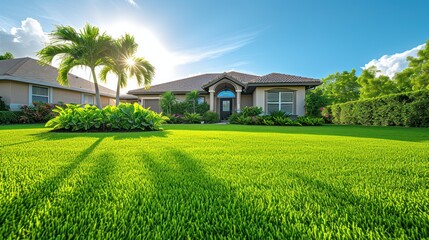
279,102
30,93
82,98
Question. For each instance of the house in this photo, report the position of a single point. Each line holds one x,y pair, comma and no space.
24,81
231,91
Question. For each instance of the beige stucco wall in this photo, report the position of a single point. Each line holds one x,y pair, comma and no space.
259,98
14,94
66,96
246,100
5,91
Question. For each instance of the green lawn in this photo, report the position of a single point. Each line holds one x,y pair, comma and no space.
215,181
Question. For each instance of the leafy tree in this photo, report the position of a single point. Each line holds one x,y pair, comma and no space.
6,56
418,69
373,86
314,101
124,64
167,101
340,87
402,80
87,48
192,99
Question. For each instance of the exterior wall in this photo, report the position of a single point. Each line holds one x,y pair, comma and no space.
15,94
246,100
66,96
105,101
5,91
259,98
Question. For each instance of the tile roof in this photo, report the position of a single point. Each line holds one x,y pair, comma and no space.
200,82
29,70
283,78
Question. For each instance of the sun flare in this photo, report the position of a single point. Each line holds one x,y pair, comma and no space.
130,62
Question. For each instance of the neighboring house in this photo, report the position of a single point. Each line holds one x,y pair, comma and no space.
230,92
24,81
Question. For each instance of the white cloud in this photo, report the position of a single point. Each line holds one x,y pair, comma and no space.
391,64
23,41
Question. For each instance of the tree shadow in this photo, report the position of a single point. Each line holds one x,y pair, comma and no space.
31,199
188,202
374,132
53,136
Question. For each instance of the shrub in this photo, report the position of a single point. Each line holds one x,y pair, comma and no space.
409,109
309,121
7,117
210,117
192,118
125,116
37,113
251,111
3,106
278,114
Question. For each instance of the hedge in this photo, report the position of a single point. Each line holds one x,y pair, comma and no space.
7,117
409,109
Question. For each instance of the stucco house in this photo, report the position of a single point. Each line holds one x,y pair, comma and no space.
24,80
231,91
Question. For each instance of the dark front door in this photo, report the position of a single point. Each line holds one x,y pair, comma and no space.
225,108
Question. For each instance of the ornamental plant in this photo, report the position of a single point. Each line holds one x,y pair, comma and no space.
124,117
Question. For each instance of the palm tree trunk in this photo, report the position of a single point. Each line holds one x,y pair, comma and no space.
118,88
97,91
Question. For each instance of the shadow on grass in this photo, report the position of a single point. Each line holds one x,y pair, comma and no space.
374,132
371,215
15,212
190,203
53,136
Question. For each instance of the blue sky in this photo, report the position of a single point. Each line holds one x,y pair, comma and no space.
182,38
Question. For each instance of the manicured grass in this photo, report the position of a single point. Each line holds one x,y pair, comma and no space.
215,181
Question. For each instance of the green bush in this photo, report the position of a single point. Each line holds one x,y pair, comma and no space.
251,111
192,118
3,106
7,117
210,117
37,113
275,119
124,117
409,109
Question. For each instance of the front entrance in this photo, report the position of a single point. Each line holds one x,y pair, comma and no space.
225,108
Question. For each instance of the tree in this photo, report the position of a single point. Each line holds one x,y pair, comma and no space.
402,80
373,86
418,69
124,64
6,56
314,101
87,48
340,87
167,101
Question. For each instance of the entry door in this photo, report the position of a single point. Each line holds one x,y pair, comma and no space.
225,108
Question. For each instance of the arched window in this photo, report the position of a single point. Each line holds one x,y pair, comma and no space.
226,94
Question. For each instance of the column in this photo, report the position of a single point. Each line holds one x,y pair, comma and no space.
238,100
211,100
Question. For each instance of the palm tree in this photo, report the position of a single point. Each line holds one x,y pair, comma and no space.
124,64
167,101
86,48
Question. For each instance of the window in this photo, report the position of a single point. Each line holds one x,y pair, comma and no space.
39,94
280,101
226,94
201,100
88,99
